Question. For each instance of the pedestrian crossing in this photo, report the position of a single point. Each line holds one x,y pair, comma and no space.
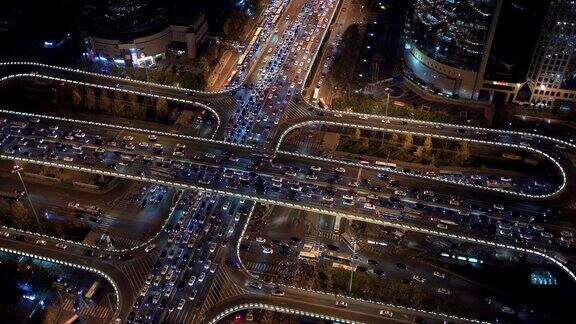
313,237
125,243
87,309
570,157
138,270
222,288
268,268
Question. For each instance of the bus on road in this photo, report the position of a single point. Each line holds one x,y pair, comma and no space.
93,290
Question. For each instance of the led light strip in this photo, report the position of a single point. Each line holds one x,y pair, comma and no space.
382,129
195,103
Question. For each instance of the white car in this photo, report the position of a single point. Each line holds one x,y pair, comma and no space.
143,145
341,303
340,170
400,192
41,242
150,247
369,206
444,291
192,281
201,277
267,251
386,313
260,239
364,117
419,279
278,293
62,246
144,290
181,303
338,115
316,168
152,137
439,274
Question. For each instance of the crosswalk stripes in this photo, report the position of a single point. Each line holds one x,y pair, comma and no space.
97,311
123,243
221,289
571,157
267,268
136,272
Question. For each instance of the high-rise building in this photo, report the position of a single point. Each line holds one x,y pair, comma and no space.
447,44
510,55
552,73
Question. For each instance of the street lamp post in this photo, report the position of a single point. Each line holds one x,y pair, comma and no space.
148,79
387,100
17,169
352,267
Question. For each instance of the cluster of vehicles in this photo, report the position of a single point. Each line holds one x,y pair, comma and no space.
299,184
187,259
271,13
284,66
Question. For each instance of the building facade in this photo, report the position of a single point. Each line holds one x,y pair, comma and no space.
139,32
552,73
513,51
446,44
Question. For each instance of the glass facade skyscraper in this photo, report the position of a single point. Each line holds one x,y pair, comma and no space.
451,32
446,43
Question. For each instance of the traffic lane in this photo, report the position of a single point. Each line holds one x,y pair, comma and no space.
311,302
280,194
341,187
195,150
54,200
199,248
171,141
105,80
450,130
293,8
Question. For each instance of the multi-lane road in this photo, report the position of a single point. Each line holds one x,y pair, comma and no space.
244,159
